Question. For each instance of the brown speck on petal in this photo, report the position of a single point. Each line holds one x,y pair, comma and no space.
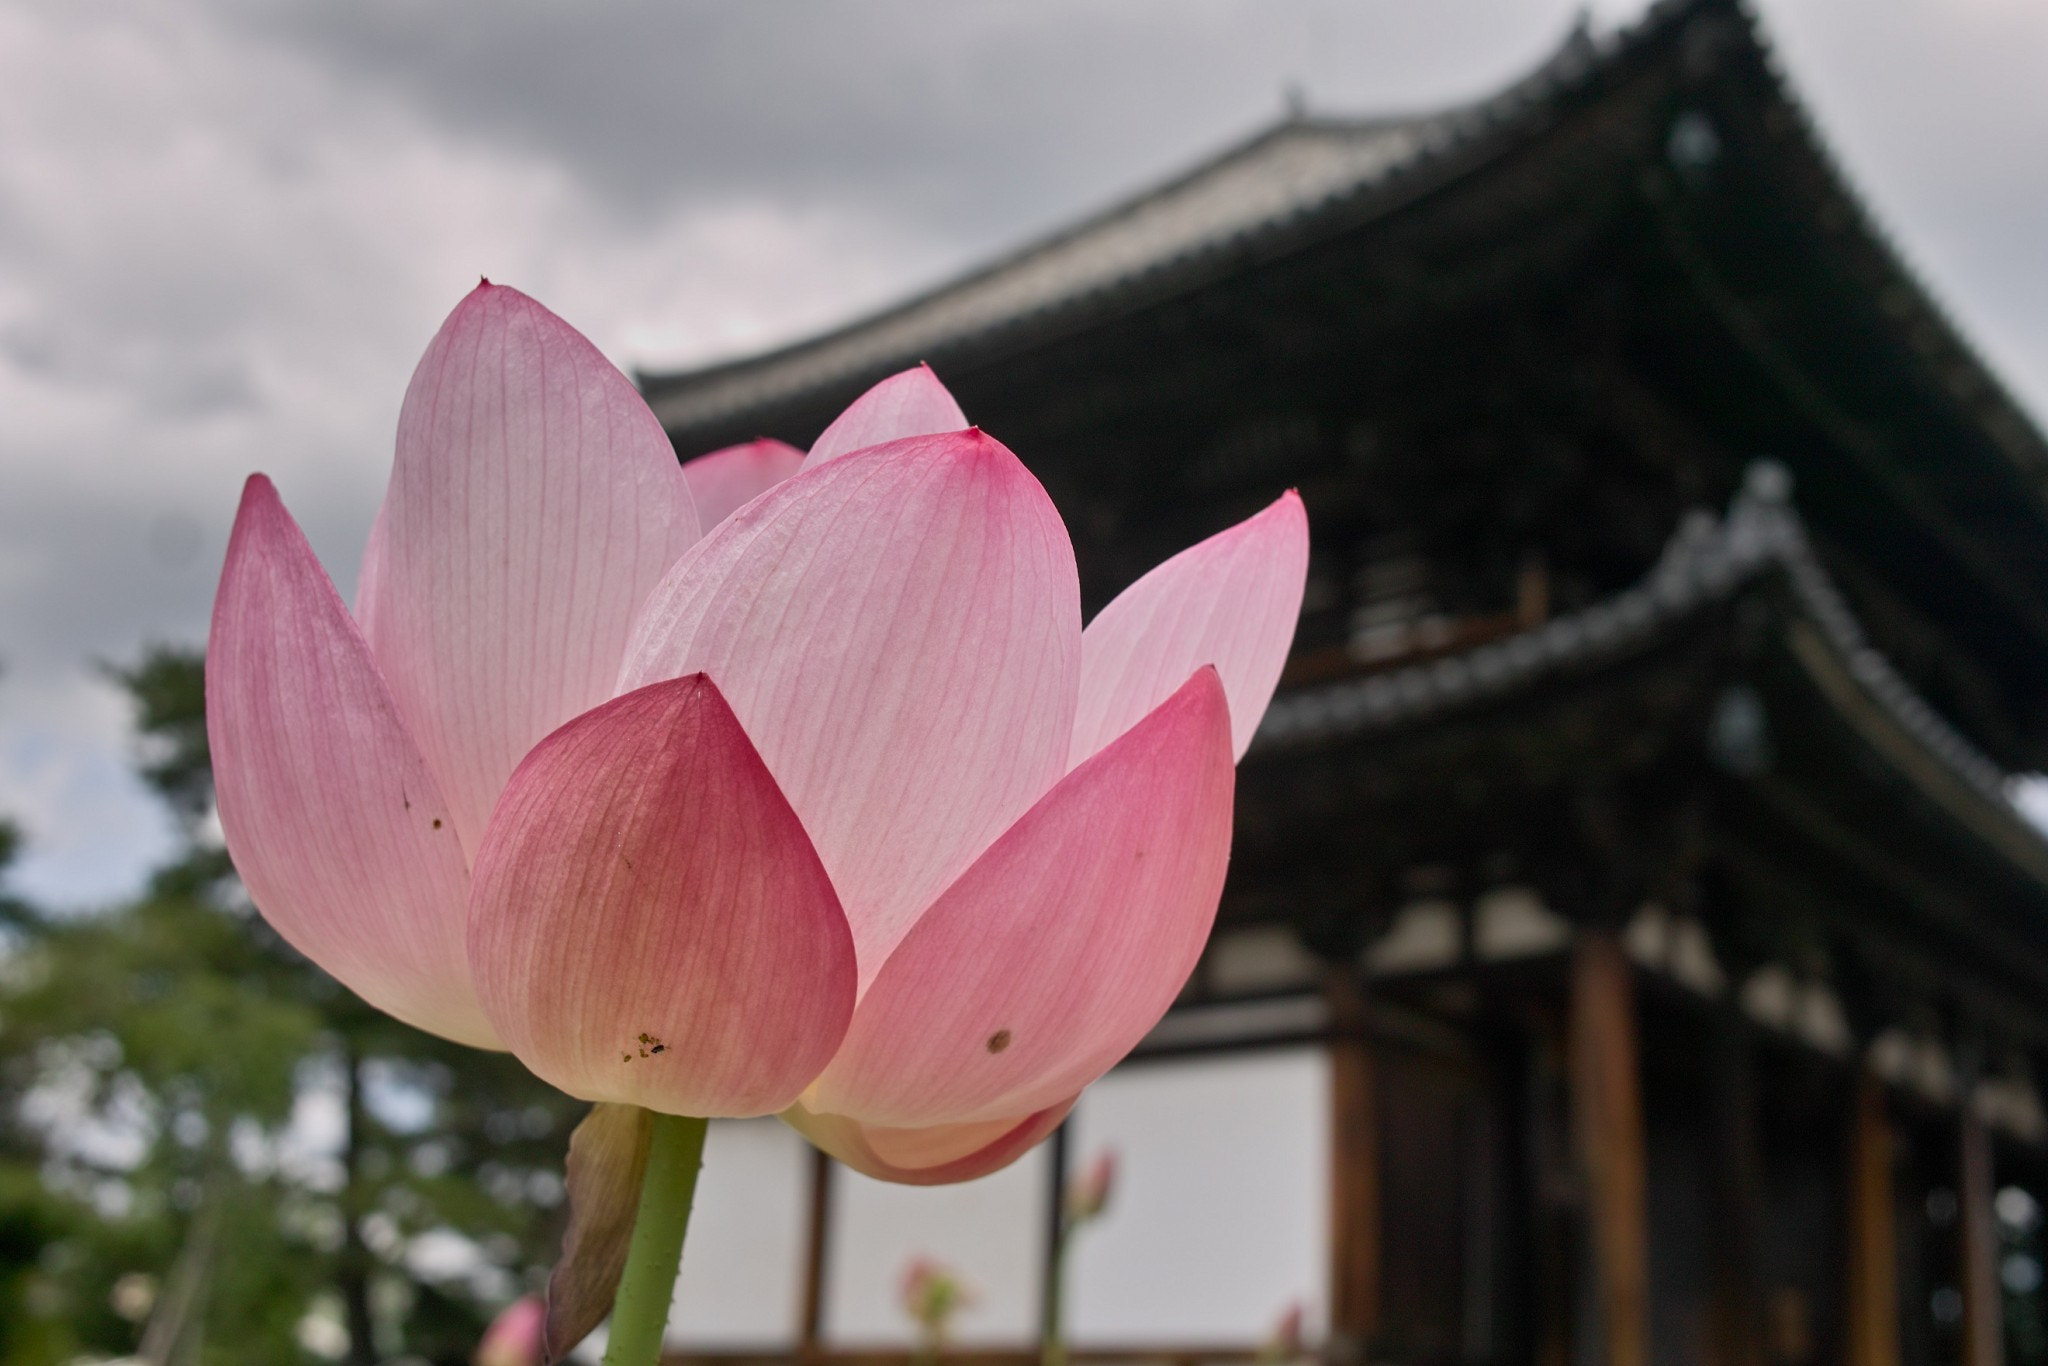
437,822
998,1041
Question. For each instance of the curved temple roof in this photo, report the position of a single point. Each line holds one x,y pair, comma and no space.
1298,181
1278,179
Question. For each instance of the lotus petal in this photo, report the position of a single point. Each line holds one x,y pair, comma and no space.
1062,946
1232,601
726,480
607,1165
648,922
898,631
333,819
935,1156
370,573
533,502
911,403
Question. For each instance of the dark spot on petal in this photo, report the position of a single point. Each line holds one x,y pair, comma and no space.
998,1041
659,1048
625,1057
437,822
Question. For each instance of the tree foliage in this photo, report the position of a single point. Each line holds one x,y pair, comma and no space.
213,1155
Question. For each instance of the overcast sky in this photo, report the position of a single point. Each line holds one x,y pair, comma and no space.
227,228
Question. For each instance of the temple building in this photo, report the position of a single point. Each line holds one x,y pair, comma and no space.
1626,870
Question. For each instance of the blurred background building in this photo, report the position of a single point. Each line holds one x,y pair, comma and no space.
1631,952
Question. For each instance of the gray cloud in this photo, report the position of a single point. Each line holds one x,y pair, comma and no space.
227,227
970,115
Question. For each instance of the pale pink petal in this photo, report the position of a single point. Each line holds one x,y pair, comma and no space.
648,922
369,574
606,1168
334,822
936,1156
1231,601
899,633
533,502
1062,946
911,403
727,480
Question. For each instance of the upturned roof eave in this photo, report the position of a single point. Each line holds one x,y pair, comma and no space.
1707,565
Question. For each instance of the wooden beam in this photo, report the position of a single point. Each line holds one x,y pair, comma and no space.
1871,1306
1607,1110
1983,1312
1354,1173
810,1345
1190,1353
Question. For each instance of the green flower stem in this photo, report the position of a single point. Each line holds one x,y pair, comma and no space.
640,1313
1052,1345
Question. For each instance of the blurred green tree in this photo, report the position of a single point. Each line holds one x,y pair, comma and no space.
213,1155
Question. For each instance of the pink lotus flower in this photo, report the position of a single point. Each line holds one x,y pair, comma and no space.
1289,1340
832,810
931,1295
515,1336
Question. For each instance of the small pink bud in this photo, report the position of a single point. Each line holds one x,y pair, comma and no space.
514,1337
1288,1340
932,1294
1088,1195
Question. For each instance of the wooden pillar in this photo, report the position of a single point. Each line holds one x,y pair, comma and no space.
1051,1269
1983,1311
1552,1175
1354,1173
1736,1324
1607,1110
1871,1305
817,1231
